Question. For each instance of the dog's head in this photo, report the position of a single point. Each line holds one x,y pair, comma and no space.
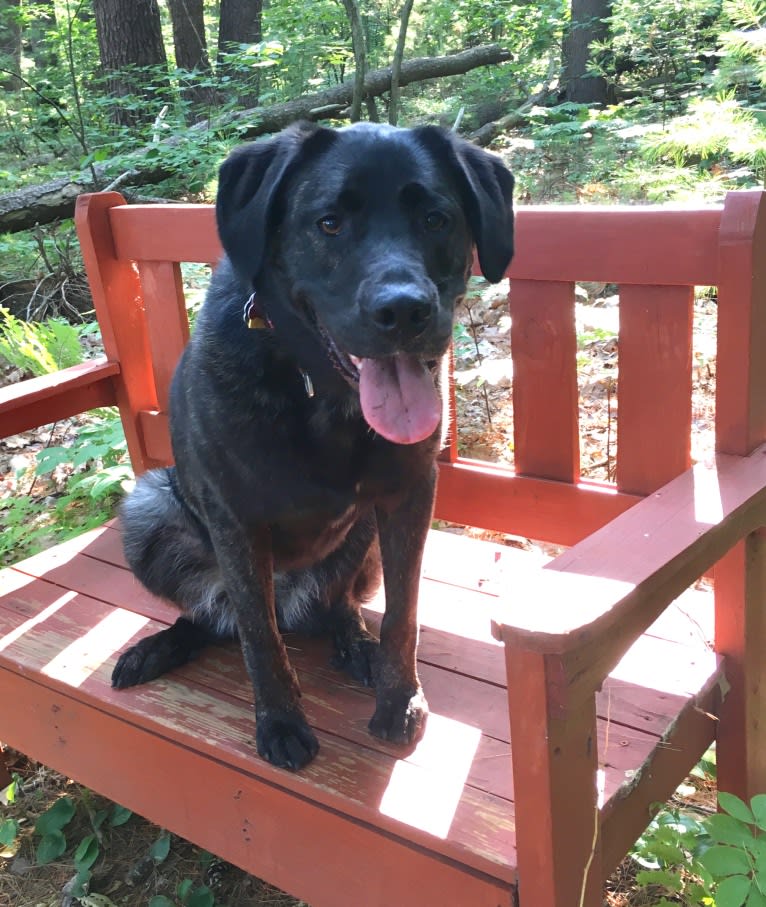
363,236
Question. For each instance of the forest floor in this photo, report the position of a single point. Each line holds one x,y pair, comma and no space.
128,871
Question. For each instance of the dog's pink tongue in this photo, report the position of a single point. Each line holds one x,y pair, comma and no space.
399,399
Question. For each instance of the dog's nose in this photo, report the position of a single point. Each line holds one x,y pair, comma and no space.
402,312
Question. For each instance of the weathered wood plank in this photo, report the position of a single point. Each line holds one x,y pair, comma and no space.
740,364
545,402
740,635
618,244
116,292
176,232
71,644
561,243
625,816
455,637
614,584
166,321
259,825
495,498
654,412
38,401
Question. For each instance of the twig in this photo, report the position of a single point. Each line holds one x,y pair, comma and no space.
121,179
396,65
481,361
75,88
591,855
45,447
609,473
54,104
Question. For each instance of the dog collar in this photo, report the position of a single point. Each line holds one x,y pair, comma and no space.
254,316
257,320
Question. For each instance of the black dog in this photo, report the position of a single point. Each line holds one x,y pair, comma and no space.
305,445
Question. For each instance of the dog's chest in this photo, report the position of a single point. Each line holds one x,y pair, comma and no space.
346,454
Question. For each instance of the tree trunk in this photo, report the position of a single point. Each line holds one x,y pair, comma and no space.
41,204
239,23
359,46
10,44
588,24
396,65
130,35
191,55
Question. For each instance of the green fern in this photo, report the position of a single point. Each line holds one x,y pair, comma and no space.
714,128
39,349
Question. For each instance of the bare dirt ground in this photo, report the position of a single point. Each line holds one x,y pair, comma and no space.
128,871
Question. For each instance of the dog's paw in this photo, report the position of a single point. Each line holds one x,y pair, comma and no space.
144,661
159,653
357,656
284,739
400,716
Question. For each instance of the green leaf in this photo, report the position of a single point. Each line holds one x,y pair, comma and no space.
50,458
159,900
184,889
160,849
732,892
55,818
8,831
80,884
669,853
51,847
756,898
722,861
10,791
98,819
669,880
201,897
725,829
758,806
120,815
732,804
87,853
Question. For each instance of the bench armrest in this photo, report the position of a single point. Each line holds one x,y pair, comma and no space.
585,608
38,401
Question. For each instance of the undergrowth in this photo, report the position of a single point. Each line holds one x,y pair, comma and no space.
70,488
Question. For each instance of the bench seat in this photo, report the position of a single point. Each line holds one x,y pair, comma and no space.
183,745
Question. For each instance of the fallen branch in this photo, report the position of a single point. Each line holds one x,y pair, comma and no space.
43,203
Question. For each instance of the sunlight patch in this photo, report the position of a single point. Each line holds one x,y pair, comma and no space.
16,634
74,664
425,790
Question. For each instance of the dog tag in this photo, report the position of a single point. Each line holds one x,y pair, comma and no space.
308,384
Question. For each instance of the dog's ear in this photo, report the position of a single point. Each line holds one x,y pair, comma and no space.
249,204
486,187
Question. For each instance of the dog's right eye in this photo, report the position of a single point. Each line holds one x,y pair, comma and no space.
330,224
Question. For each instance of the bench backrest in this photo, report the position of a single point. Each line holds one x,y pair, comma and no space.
655,255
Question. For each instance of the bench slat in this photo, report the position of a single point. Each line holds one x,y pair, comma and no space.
260,826
545,404
38,401
455,637
73,649
655,385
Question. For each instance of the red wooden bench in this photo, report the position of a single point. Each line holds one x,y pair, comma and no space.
609,678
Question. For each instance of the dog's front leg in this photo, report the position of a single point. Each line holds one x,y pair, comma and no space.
282,734
401,708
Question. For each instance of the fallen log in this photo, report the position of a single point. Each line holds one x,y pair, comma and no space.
46,202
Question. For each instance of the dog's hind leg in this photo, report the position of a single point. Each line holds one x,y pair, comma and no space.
168,551
356,649
352,576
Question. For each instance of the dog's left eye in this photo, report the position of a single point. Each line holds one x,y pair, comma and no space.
330,224
435,220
